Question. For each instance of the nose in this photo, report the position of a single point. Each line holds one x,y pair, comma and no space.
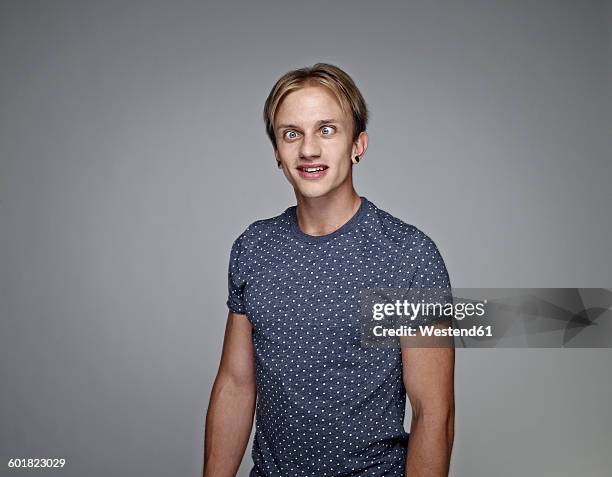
310,147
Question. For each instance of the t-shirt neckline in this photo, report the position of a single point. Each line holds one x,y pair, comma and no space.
346,227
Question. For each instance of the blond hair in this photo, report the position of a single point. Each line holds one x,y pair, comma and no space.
336,80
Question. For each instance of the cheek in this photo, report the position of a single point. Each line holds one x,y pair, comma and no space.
337,149
286,150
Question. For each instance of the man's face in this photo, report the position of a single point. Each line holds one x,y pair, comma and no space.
312,131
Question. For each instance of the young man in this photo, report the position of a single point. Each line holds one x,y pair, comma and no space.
326,406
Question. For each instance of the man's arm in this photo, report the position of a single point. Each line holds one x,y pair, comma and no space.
232,402
428,375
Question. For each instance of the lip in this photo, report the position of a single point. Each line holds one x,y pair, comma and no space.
312,175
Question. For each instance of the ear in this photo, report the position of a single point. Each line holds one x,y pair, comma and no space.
277,157
360,145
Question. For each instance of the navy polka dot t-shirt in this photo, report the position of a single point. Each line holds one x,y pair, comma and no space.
326,406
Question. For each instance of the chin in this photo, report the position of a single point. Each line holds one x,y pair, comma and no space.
313,191
315,188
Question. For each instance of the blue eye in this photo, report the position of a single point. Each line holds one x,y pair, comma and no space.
287,134
331,130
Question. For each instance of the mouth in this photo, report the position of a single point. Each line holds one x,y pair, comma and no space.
312,171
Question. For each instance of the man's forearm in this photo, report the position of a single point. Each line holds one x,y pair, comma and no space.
430,445
228,426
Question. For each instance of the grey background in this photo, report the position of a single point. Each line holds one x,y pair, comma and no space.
133,152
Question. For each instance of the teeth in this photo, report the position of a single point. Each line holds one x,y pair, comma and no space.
313,169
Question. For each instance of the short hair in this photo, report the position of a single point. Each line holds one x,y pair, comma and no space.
333,78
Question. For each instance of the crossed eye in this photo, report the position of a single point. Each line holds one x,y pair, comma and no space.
325,130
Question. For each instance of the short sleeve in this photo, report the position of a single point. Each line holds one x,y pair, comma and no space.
431,270
423,275
235,280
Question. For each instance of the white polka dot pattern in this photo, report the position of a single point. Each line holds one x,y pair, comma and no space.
326,406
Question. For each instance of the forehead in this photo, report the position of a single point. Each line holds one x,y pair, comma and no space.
309,104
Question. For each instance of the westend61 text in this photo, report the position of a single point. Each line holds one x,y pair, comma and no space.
431,330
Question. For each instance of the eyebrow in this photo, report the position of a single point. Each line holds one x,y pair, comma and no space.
318,123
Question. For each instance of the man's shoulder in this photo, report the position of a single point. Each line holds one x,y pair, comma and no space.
263,228
403,234
415,251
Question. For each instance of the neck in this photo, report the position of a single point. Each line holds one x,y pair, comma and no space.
326,214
